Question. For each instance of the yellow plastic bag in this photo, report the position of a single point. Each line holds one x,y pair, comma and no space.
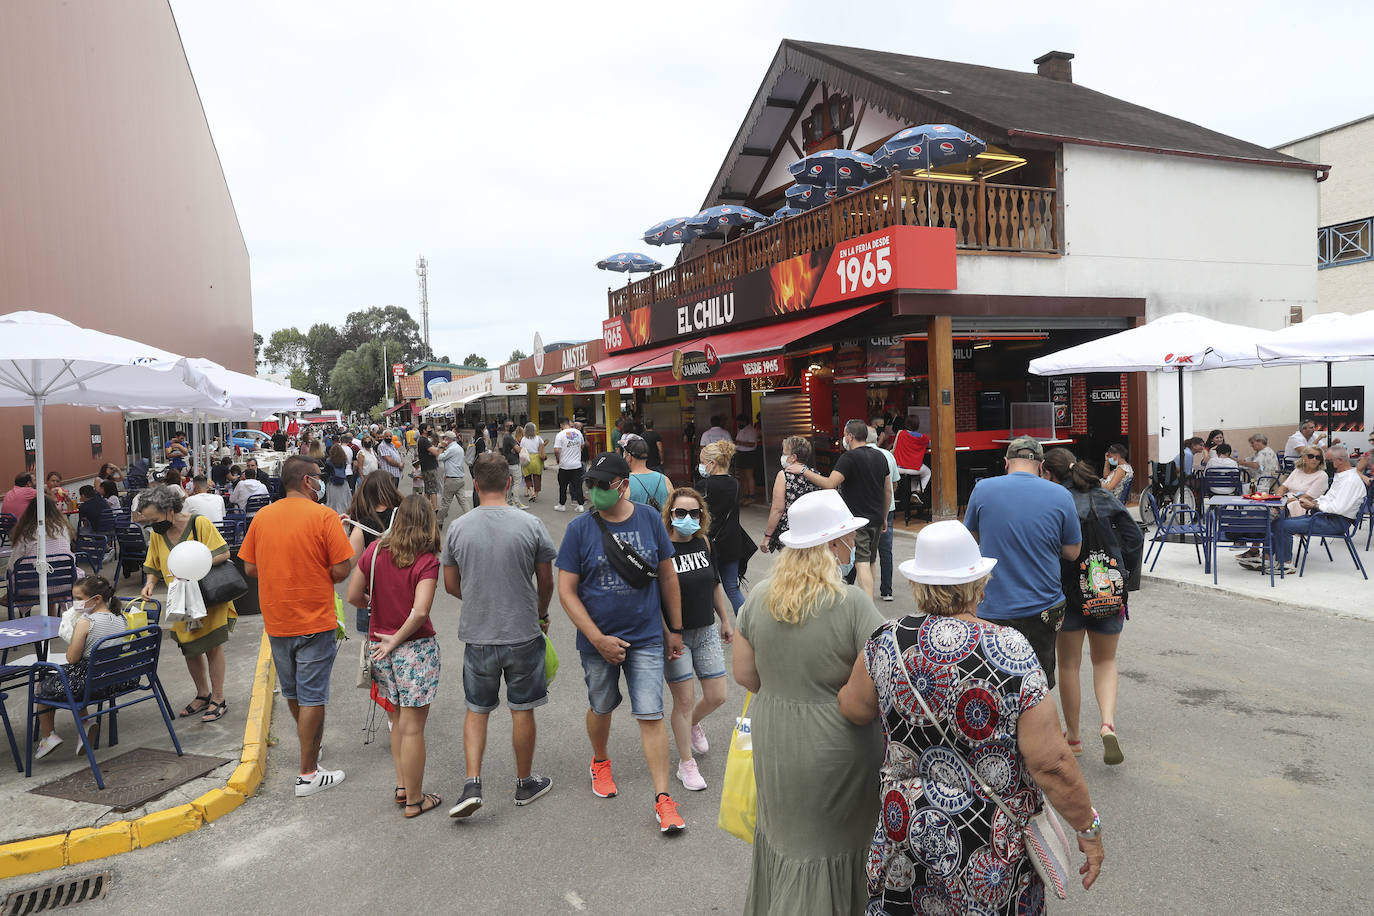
739,797
136,619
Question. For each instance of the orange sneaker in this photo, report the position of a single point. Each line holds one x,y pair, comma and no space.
665,812
602,783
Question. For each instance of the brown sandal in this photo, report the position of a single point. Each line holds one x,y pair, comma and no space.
426,803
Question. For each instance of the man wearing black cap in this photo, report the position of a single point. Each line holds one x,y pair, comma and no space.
619,604
1027,523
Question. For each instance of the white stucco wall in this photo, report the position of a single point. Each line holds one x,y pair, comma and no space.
1231,242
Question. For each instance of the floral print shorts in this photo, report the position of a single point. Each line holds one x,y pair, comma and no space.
409,676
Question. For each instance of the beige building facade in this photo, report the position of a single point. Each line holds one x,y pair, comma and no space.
114,210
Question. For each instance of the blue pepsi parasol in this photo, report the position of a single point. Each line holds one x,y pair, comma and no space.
836,168
669,232
716,222
629,262
927,147
807,196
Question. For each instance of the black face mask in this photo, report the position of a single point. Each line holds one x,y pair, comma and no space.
161,527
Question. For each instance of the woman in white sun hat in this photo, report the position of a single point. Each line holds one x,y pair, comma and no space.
799,633
939,841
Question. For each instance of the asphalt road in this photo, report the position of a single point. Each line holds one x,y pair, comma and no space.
1243,722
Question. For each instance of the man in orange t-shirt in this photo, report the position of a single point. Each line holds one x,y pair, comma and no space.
297,550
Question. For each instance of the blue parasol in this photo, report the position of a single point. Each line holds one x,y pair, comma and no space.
629,262
836,167
928,146
669,232
716,222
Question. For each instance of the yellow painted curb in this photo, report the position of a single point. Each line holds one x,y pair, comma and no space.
90,843
86,844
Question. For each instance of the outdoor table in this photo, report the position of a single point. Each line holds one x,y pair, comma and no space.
24,631
1275,506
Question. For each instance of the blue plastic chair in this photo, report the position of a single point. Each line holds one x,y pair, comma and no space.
1266,483
1347,535
1286,464
120,665
7,523
232,530
1177,519
254,503
1221,482
151,606
9,729
133,550
135,482
92,550
1247,525
274,489
23,576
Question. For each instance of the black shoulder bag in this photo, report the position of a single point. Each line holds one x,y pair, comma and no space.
223,582
634,569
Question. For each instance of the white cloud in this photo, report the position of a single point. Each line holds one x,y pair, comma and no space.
516,144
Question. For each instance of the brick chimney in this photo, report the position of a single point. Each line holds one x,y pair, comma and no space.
1055,66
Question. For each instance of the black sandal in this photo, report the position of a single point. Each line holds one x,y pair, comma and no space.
215,711
400,795
432,801
193,710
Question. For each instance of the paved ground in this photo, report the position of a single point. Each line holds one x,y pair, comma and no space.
1244,725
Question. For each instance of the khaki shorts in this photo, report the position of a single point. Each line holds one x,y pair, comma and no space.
866,544
431,479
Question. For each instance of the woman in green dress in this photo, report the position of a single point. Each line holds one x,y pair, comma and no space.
203,646
799,633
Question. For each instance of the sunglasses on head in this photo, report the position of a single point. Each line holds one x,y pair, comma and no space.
684,513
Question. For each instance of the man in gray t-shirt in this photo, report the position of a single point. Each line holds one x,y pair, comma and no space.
499,562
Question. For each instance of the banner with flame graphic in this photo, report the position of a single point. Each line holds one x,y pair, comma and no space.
903,257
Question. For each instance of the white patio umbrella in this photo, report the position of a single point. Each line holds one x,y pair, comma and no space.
1331,337
1180,342
48,360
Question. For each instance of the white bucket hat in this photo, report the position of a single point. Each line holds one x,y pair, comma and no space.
818,518
946,554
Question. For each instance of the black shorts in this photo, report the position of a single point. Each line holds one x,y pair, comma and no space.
1041,634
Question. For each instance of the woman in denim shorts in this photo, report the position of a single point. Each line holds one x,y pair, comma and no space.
398,574
703,599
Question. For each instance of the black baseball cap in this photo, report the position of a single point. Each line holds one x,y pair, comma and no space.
608,466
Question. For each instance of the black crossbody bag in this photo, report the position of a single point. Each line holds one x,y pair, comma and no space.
633,568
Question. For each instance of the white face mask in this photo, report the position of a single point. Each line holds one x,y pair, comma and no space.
785,460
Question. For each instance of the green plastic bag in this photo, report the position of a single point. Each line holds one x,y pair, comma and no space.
341,629
550,660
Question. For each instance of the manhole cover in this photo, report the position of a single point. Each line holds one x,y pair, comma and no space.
131,779
58,895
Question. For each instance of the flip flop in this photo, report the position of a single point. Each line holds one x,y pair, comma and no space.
215,711
1075,746
193,710
1111,746
427,803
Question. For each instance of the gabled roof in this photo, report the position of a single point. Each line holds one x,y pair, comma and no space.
1005,107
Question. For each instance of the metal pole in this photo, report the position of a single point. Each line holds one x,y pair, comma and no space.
41,535
1330,431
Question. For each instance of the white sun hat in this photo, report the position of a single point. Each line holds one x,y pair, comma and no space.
946,554
818,518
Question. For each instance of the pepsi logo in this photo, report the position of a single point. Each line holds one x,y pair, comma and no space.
844,171
914,152
815,170
947,147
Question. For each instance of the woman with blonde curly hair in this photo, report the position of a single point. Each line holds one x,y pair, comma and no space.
799,635
722,492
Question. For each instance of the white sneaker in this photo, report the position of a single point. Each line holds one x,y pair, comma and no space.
522,506
560,508
46,746
690,776
580,507
887,597
699,743
323,779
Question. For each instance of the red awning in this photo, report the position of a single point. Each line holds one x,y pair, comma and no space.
620,363
653,369
391,410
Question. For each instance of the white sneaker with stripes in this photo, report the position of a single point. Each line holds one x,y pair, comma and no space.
321,780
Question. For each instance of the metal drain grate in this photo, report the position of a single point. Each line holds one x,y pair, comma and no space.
58,895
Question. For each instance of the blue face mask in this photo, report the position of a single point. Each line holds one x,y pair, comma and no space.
686,526
847,568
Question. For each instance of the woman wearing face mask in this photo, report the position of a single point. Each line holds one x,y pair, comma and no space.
787,487
799,635
100,617
203,646
703,600
1119,471
722,492
367,458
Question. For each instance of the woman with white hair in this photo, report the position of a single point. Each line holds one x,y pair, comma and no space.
799,634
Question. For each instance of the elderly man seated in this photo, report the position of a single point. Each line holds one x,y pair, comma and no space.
1343,499
1263,462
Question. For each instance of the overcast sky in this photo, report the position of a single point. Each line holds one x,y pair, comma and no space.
515,144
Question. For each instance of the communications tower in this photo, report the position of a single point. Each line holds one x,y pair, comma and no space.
422,271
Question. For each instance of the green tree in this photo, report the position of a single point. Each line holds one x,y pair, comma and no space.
257,349
286,350
390,322
359,378
478,362
516,355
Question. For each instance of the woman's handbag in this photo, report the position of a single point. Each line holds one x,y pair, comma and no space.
223,582
739,793
1047,843
365,653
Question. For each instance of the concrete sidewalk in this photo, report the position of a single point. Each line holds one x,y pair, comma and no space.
28,815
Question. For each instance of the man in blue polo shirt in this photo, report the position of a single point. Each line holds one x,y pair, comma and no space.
1027,523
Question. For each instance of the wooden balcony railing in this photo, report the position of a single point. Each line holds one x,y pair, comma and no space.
984,217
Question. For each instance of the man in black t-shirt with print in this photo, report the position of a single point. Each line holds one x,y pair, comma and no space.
861,474
428,454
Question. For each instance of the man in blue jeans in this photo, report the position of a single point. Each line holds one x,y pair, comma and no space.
621,627
1343,498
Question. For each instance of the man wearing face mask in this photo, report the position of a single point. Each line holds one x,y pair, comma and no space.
621,627
861,474
1028,523
297,550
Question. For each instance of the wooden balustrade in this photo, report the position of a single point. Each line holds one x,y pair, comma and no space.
984,217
